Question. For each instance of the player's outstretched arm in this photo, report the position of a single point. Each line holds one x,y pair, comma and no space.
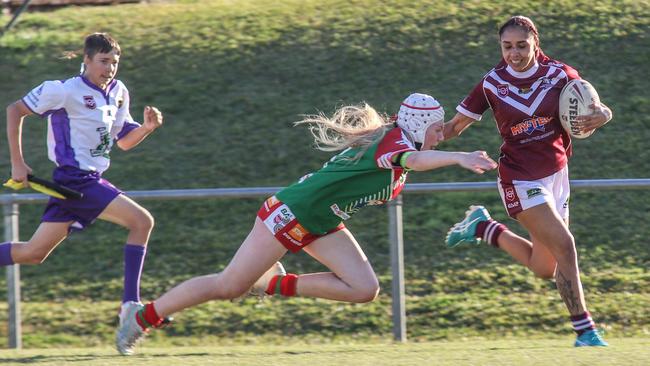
152,120
477,161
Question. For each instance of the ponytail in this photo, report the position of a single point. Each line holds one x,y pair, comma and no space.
357,126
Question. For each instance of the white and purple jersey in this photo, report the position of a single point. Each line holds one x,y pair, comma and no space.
83,120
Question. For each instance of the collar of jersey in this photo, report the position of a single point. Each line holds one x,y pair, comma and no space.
93,86
523,74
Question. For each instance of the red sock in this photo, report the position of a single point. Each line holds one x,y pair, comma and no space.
271,289
148,317
283,285
289,285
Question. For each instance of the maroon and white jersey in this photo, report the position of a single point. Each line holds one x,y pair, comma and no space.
526,109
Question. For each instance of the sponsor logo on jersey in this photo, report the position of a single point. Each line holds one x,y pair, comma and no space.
510,193
39,91
530,125
525,90
270,202
104,147
338,212
534,192
502,89
298,232
566,203
291,239
281,218
513,204
545,83
120,103
89,101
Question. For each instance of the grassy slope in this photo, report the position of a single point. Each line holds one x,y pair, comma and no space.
231,76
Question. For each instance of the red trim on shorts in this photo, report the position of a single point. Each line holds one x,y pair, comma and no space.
510,199
293,236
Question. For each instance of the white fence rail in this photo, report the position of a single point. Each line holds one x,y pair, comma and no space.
11,204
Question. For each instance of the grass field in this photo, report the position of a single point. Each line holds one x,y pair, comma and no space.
231,76
624,352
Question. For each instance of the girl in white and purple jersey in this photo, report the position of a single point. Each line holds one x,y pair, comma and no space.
523,92
375,156
86,114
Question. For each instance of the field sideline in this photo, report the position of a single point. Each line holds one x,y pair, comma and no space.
628,351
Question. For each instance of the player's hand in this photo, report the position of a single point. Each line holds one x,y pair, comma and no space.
19,173
152,118
478,161
598,118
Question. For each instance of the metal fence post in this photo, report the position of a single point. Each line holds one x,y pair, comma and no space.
11,211
395,234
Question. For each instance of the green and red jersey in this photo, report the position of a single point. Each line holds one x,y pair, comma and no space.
321,200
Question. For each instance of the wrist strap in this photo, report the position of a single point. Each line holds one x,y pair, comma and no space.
402,160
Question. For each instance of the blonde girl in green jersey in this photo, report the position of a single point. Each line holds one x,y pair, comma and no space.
375,155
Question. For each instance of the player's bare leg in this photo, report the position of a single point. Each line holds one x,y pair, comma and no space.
537,257
130,215
352,278
548,228
478,226
255,256
47,236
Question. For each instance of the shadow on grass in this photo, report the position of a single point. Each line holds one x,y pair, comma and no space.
55,359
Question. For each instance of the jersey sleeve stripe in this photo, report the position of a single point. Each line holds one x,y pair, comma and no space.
27,104
467,113
128,127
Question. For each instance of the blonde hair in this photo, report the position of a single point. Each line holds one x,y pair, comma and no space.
355,126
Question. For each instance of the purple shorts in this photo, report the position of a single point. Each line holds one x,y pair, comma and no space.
97,194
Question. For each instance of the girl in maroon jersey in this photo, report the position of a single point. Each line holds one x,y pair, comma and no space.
523,92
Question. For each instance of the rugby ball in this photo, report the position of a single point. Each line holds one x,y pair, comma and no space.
575,99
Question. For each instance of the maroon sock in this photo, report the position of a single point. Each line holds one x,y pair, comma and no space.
582,323
489,231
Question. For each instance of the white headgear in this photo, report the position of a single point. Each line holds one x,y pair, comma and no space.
417,113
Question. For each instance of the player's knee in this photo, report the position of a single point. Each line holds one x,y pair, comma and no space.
35,257
546,273
367,293
231,291
143,223
544,270
566,247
